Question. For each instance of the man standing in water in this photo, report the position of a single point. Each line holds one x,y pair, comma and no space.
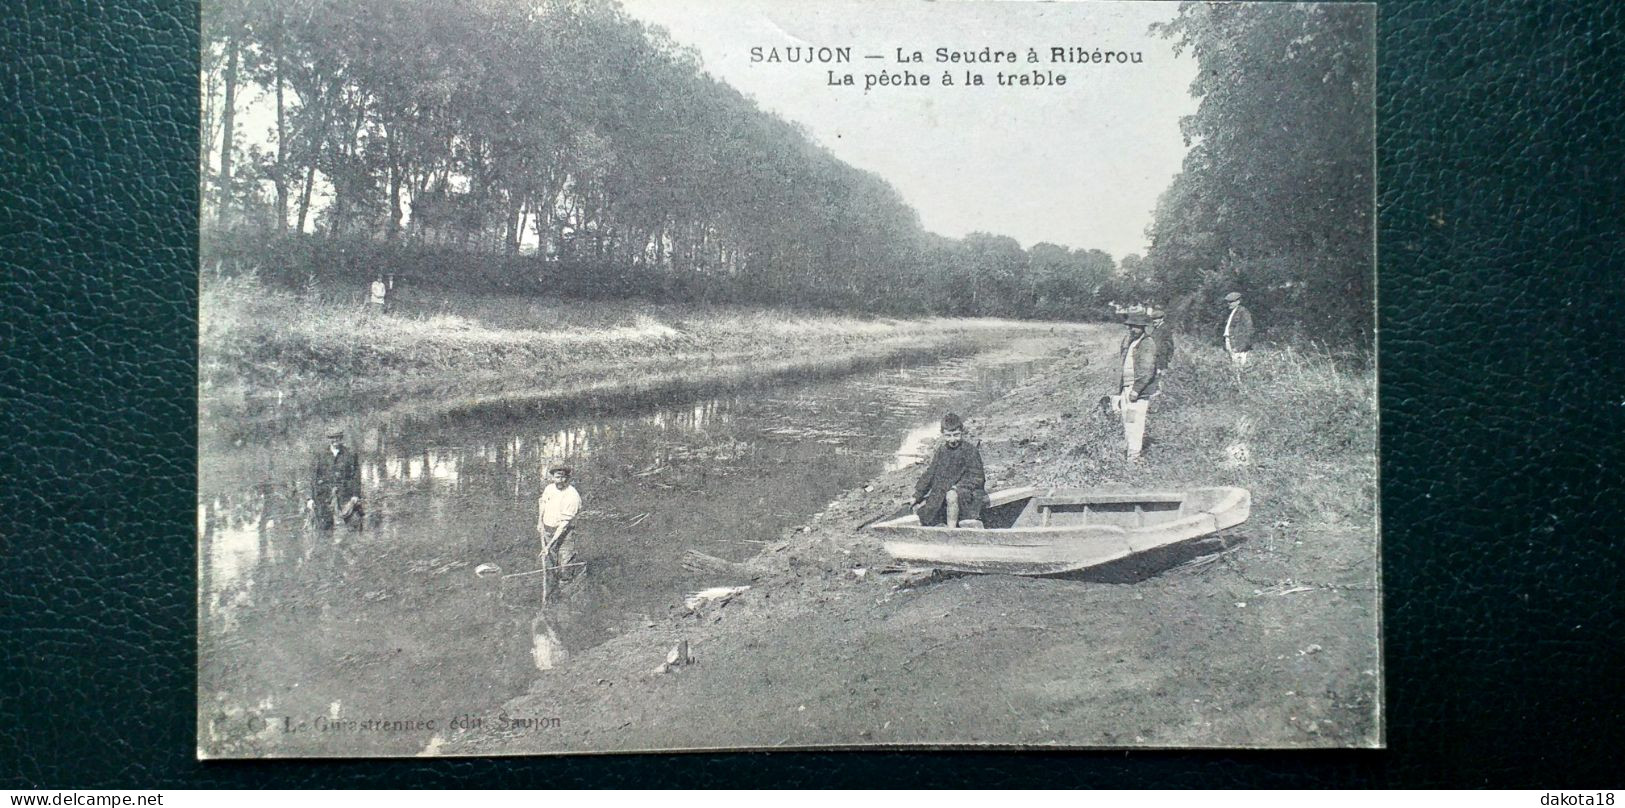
335,484
1139,381
555,511
950,491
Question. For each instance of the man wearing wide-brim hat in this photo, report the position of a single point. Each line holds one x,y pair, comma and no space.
1138,353
1238,331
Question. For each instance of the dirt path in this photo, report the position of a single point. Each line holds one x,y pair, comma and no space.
1266,638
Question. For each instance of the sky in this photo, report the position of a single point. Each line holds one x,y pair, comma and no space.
1079,165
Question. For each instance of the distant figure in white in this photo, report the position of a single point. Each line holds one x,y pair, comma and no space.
378,300
555,512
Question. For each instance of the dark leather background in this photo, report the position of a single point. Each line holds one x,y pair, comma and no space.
1502,393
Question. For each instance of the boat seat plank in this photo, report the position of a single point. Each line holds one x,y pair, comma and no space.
1108,499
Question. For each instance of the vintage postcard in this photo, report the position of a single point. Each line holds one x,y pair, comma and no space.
592,376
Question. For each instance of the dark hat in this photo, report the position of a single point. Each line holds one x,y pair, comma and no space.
1136,318
339,435
565,470
1232,297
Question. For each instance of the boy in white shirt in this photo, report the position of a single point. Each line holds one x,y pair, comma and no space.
555,511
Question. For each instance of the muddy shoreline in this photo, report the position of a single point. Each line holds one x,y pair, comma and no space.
311,640
1266,638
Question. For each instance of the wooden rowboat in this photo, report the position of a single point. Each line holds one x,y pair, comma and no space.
1037,531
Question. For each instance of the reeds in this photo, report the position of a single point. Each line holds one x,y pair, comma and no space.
1298,425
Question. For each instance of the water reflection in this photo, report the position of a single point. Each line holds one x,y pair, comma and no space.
916,445
547,650
467,485
234,542
445,495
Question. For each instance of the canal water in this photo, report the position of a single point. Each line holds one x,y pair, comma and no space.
336,627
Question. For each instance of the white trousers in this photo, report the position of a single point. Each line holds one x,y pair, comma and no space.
1134,413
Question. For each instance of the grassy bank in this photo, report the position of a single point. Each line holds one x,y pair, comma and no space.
1267,637
1299,428
266,351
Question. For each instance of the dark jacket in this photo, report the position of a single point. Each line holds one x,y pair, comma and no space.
1241,330
1164,335
957,468
338,476
1144,382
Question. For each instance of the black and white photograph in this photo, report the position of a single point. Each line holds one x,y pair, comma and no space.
599,376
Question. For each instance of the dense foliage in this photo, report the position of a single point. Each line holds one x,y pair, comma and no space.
1276,198
562,139
560,144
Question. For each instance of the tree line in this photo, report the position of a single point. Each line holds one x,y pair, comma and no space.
564,140
1276,197
561,144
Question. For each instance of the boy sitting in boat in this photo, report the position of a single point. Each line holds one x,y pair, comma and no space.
950,491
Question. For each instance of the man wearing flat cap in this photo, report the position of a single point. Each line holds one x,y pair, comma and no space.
1238,332
1138,353
556,511
335,484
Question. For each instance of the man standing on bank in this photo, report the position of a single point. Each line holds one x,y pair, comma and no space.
950,492
1164,335
1238,332
335,484
556,509
1138,352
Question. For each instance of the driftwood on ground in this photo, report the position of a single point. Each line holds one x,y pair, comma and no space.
696,561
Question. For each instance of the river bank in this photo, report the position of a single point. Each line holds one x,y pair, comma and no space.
1268,638
273,356
390,622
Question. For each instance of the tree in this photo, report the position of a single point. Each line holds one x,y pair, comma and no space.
1275,195
480,125
225,31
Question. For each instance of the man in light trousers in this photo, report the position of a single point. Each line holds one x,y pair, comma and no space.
1138,352
556,511
1238,332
